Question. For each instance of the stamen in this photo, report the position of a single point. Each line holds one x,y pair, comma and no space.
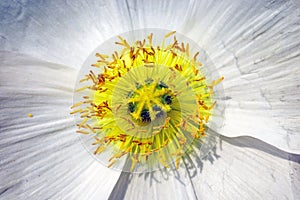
216,82
83,121
75,111
150,39
81,89
169,34
76,105
187,51
147,113
82,132
99,150
195,56
91,128
112,163
102,56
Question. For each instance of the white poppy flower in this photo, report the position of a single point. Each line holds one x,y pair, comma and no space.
254,45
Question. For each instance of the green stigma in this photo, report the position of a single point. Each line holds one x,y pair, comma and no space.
149,100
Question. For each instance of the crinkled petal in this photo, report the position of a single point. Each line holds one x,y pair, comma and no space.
63,32
235,169
255,46
246,168
41,157
259,58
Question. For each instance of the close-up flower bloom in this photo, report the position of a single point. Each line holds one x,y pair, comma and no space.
149,99
149,104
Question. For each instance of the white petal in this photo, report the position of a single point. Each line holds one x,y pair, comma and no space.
169,185
66,32
63,32
263,81
255,46
246,168
239,168
42,157
170,15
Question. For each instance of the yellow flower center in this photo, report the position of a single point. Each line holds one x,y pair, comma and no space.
148,102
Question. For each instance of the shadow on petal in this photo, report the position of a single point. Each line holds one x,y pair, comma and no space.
250,142
195,169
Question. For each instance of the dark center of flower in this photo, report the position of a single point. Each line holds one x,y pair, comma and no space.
149,101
